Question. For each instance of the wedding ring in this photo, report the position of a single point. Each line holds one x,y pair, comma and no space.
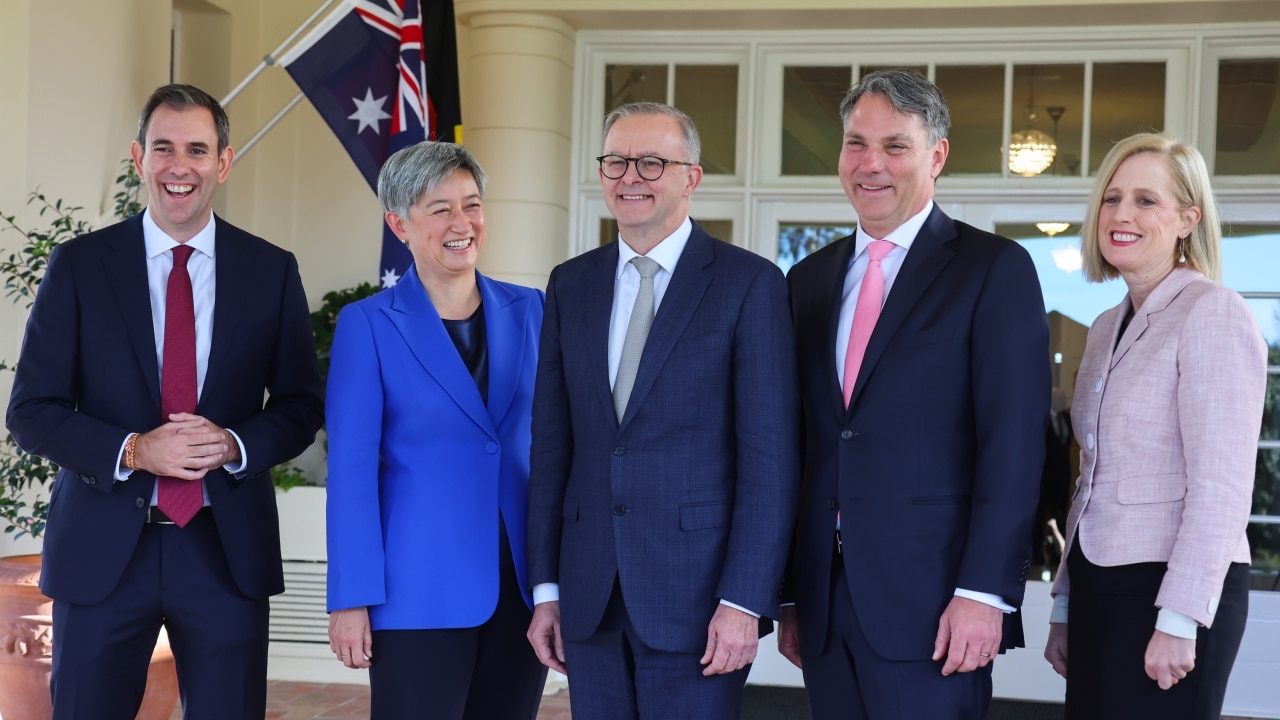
985,654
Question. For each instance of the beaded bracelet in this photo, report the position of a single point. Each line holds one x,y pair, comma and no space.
129,448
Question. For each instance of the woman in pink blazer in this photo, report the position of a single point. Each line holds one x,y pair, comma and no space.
1151,598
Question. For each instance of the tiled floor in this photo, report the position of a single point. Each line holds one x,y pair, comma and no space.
310,701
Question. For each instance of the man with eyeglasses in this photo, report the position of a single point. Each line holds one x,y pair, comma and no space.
665,446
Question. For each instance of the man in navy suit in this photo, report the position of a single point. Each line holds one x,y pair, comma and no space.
104,331
922,458
663,483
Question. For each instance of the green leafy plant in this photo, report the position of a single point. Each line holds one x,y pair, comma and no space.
22,271
324,321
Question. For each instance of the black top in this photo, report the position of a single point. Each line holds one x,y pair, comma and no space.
468,336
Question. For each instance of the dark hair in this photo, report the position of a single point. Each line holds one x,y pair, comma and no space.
908,92
185,97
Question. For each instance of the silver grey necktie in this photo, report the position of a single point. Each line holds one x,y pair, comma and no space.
637,333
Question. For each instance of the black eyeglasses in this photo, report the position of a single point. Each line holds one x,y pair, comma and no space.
649,167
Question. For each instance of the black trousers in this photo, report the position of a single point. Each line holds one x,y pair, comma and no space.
480,673
1112,617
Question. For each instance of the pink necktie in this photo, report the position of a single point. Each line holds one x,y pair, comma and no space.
865,314
179,499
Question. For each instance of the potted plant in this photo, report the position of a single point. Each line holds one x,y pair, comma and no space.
26,631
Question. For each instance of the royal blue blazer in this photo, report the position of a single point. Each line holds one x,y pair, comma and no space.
419,467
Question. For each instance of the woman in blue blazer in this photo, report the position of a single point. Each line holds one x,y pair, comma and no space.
428,414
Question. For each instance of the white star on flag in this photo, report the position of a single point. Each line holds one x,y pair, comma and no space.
390,278
369,111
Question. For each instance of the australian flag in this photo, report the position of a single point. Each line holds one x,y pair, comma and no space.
384,75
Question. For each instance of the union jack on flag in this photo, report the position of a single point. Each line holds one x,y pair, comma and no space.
384,75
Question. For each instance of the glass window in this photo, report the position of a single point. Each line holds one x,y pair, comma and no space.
811,129
1248,140
1048,104
797,241
868,69
633,83
709,95
975,96
1264,538
1128,98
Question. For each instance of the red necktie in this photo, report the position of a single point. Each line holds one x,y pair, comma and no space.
865,314
179,499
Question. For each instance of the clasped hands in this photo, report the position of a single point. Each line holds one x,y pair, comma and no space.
186,447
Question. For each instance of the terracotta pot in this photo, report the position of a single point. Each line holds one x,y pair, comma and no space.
26,650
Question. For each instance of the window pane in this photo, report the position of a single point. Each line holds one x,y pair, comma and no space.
1271,407
1128,98
796,242
633,83
975,96
1264,539
811,129
1248,121
719,229
868,69
1050,99
1072,303
709,95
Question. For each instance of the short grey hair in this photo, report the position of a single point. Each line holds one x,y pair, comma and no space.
419,169
908,92
692,142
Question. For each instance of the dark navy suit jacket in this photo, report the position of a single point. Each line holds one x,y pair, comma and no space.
88,376
691,498
935,467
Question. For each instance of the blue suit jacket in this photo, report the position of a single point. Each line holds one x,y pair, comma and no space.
419,467
88,376
935,467
690,499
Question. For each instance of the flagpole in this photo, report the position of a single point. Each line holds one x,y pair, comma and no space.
270,59
244,149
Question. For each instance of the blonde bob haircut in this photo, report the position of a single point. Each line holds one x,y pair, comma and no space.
1201,250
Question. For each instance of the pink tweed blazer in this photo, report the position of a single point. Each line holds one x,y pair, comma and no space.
1168,421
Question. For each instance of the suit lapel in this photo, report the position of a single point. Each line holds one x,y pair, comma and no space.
418,323
595,296
1164,293
681,300
926,258
126,266
505,314
830,294
228,306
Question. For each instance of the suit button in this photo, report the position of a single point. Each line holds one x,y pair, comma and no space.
831,504
619,451
1097,387
1089,440
89,479
491,447
140,502
619,509
846,435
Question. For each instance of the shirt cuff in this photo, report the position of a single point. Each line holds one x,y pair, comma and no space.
739,608
546,592
994,601
122,473
1059,612
1176,624
244,457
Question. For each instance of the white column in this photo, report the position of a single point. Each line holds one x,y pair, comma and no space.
518,124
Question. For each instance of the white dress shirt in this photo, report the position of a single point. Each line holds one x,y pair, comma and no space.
902,237
200,267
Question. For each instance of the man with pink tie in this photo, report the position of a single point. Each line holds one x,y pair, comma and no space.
922,349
